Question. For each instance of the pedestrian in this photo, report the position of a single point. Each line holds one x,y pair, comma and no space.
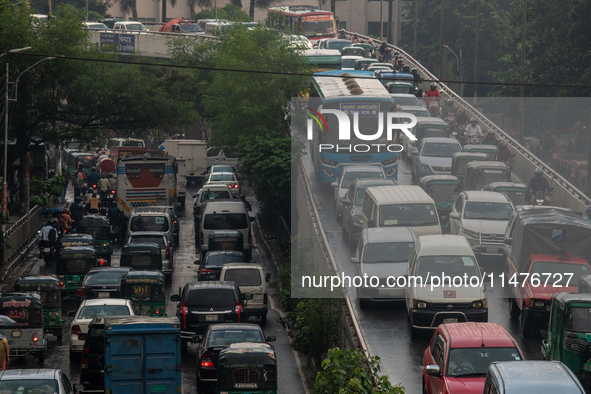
93,204
65,189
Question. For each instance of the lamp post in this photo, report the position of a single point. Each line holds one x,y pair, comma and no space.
459,68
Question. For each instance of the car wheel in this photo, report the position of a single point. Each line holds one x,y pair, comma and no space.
200,386
525,326
176,240
363,303
73,357
513,309
338,214
424,387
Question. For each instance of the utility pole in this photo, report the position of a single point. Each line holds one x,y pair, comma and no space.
86,10
522,79
461,76
48,5
390,27
215,8
381,20
476,50
414,49
441,41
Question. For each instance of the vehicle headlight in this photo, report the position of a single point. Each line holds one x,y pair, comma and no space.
419,304
480,304
423,166
468,233
539,304
389,161
329,162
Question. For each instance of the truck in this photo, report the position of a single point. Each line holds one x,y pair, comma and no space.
181,183
117,152
195,154
142,355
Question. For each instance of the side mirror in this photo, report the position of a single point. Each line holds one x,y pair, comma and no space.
334,184
247,296
197,339
433,370
271,338
346,203
454,215
196,262
195,195
82,337
71,313
175,297
355,260
508,241
371,223
267,277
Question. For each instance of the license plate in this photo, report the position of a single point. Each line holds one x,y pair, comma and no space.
492,250
17,334
103,295
158,388
211,317
451,320
47,250
76,278
396,292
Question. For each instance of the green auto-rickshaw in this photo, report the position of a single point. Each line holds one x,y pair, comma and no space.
142,256
569,333
76,240
100,227
367,49
480,174
145,289
444,190
517,192
400,87
460,160
352,51
247,368
362,64
73,264
491,150
48,287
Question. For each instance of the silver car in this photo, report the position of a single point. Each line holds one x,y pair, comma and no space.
347,175
36,381
433,157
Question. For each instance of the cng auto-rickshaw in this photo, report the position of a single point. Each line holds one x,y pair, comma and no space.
26,336
367,49
362,64
100,228
569,333
76,239
480,174
73,264
491,150
141,256
460,160
226,240
352,51
145,289
400,87
48,286
517,192
444,190
247,368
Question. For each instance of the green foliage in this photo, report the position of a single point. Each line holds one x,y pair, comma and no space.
41,200
96,8
229,12
352,372
52,187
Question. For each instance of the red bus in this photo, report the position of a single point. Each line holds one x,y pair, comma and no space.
572,167
306,20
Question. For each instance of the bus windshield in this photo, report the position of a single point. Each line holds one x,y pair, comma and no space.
317,28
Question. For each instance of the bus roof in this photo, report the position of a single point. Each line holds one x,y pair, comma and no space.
336,87
297,9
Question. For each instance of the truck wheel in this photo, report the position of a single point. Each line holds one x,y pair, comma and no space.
184,346
263,320
513,309
525,326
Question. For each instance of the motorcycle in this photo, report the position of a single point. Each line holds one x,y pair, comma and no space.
48,250
433,108
539,197
473,141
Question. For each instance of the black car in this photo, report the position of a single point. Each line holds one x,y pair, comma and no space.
210,267
218,336
203,303
101,282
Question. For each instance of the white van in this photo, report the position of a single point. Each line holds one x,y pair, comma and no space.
250,278
225,215
156,219
436,301
400,206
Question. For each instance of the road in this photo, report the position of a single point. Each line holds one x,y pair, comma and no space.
57,355
384,325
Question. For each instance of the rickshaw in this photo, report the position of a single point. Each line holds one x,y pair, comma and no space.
100,228
517,192
76,240
460,160
569,333
368,50
142,256
226,240
386,65
480,174
431,127
400,87
145,289
73,264
106,166
26,335
48,286
352,51
362,64
247,367
491,150
444,190
374,69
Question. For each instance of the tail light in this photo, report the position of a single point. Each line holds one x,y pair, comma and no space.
206,271
102,262
112,191
81,292
201,238
229,186
235,186
84,359
185,311
238,309
157,311
249,238
76,329
35,338
167,255
206,361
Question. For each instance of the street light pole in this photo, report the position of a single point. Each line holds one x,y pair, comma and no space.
458,68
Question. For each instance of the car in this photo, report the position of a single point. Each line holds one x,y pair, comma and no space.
297,41
352,203
481,217
129,26
224,178
153,219
218,336
406,100
223,168
348,62
94,25
207,193
211,266
34,380
101,282
333,43
347,175
88,310
433,156
171,211
419,112
200,304
459,354
382,253
159,238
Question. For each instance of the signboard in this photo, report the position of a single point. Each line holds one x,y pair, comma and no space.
366,109
317,18
122,43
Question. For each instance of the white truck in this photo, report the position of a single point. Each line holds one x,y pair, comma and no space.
181,183
195,154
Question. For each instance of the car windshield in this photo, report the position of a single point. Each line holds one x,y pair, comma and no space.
97,26
225,221
191,28
443,192
218,259
387,252
351,176
406,101
25,386
223,169
149,223
474,362
516,197
417,113
578,319
491,176
488,211
430,266
559,274
224,338
92,311
318,28
408,215
338,45
438,149
214,195
244,277
221,178
104,277
136,26
148,239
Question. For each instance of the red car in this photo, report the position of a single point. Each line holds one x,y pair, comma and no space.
546,276
459,354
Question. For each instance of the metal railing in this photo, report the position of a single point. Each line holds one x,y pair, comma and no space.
20,234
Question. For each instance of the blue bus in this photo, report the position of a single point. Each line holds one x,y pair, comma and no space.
368,99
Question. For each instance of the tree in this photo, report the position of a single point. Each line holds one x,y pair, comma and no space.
229,12
172,4
129,7
96,8
260,5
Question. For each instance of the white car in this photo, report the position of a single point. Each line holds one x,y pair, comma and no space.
346,177
482,218
94,26
159,238
88,310
224,178
130,26
406,100
348,62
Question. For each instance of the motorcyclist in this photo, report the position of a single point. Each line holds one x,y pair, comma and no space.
399,64
93,204
387,56
342,35
102,156
355,39
47,237
373,47
113,181
462,118
489,138
104,186
540,184
473,129
505,154
432,94
416,76
93,178
382,49
448,108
